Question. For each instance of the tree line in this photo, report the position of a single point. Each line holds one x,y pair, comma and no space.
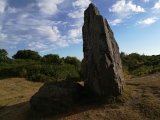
135,64
52,67
29,64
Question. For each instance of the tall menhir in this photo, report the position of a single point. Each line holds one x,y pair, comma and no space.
101,65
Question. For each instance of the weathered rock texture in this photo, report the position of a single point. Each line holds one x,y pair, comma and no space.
56,97
101,65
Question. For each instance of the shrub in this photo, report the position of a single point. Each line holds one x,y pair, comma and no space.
45,73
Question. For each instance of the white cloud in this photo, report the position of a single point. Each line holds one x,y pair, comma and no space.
37,45
157,5
32,27
3,4
81,3
75,32
23,16
2,36
146,0
123,6
61,43
76,41
7,40
79,7
0,27
48,7
37,34
147,21
76,14
49,33
115,22
78,24
11,10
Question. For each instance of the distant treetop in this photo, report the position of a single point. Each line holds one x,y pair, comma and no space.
27,54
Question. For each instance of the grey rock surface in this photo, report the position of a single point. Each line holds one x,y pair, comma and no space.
101,66
56,97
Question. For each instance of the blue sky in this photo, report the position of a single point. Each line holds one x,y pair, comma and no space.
55,26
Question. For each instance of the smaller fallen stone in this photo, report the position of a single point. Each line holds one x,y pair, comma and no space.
56,97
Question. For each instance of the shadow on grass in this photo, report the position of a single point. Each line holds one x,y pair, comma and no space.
23,111
14,112
2,78
85,103
34,115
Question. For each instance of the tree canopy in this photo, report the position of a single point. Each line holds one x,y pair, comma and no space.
73,61
52,59
3,54
27,54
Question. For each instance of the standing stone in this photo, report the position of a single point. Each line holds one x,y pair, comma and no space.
101,65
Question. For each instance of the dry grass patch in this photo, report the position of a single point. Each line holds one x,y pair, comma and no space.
139,101
14,96
16,90
150,108
149,97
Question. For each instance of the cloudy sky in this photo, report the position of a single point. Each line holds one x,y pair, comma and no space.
55,26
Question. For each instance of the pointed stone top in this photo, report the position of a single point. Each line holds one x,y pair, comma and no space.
92,5
93,8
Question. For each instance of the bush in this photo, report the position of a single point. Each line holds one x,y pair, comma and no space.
13,72
27,54
39,78
139,65
45,73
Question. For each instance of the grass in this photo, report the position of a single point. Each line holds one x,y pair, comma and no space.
149,104
14,96
139,101
150,108
149,99
32,114
1,109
